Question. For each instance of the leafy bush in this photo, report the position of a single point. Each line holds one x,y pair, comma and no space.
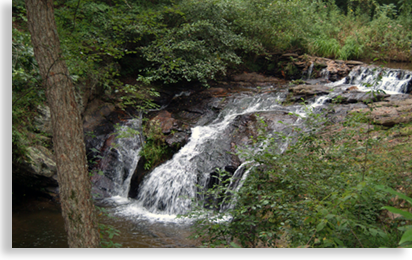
27,92
406,239
321,192
199,46
154,149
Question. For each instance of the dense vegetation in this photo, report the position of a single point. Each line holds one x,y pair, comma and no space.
129,46
325,190
107,42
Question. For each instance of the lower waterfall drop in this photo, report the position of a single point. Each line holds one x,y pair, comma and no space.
170,188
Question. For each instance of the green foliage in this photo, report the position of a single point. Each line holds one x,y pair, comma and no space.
200,45
187,40
138,97
406,239
107,232
27,93
320,192
154,149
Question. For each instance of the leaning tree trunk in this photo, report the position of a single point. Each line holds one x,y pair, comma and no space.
74,184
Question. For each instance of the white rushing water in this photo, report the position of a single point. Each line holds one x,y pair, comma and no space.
310,70
171,187
128,143
392,81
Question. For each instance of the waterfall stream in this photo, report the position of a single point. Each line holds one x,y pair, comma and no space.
171,187
392,81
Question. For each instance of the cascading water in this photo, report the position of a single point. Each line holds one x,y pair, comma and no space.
170,187
127,144
392,81
310,70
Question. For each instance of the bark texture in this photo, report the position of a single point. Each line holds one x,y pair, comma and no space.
74,184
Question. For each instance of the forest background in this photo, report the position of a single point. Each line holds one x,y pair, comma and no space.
130,47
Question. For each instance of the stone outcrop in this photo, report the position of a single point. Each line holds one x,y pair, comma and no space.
389,113
165,121
96,113
329,69
41,162
310,90
358,96
37,172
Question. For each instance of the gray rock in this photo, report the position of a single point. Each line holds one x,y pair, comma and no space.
177,139
389,113
95,114
41,162
310,90
357,96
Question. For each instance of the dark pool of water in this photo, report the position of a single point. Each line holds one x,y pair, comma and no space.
39,224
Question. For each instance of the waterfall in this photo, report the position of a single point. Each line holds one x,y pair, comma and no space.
236,183
392,81
324,73
310,71
127,145
171,187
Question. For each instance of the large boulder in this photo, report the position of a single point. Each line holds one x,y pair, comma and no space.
165,121
96,113
389,113
37,172
308,91
175,134
41,162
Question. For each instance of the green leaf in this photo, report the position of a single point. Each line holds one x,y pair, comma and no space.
405,214
407,237
320,226
391,191
338,241
233,244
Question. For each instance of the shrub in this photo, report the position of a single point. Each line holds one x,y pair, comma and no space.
321,192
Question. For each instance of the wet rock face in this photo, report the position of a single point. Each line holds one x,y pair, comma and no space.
409,88
331,70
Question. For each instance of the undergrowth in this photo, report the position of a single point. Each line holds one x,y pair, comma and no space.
322,191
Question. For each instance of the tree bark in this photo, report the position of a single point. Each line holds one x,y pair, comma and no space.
74,184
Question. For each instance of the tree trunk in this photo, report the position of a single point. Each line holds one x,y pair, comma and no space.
74,184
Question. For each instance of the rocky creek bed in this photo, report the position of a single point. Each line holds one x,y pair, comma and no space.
233,108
